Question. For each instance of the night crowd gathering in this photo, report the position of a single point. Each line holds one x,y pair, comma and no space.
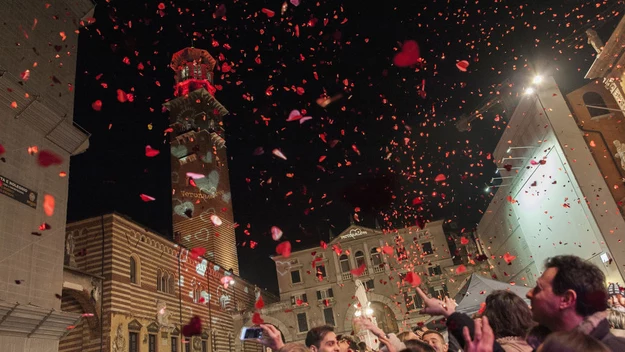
570,310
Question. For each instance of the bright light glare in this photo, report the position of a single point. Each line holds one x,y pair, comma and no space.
487,189
369,311
537,80
358,313
529,91
509,150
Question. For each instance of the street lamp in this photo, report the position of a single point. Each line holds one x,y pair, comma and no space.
537,79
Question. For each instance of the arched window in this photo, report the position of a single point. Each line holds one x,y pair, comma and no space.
133,270
596,101
172,285
360,259
376,259
344,262
184,73
159,276
164,282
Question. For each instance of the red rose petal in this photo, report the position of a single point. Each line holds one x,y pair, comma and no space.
462,65
151,152
268,12
359,270
146,198
440,178
412,279
2,150
260,303
97,105
464,240
48,204
509,258
197,252
284,249
193,328
461,269
46,158
256,319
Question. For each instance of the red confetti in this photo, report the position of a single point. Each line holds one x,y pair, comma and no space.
276,233
440,178
97,105
324,245
409,54
193,328
146,198
197,252
2,150
268,12
161,6
464,240
44,227
284,249
412,279
388,250
509,258
151,152
256,319
359,270
260,303
25,75
48,204
462,65
461,269
47,158
417,201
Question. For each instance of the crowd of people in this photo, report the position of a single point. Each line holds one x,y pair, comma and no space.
571,310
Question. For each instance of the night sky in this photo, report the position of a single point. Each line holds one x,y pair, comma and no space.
371,154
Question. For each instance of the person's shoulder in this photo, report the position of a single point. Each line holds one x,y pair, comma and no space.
616,343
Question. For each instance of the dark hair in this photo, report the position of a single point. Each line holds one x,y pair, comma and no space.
353,344
433,332
586,279
572,341
418,346
508,314
316,335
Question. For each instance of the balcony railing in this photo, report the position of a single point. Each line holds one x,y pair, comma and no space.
346,276
378,269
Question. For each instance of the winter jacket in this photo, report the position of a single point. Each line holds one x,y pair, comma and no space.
595,325
514,344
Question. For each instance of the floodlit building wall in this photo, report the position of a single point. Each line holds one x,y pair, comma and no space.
37,74
554,200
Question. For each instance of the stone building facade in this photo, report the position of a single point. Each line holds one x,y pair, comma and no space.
37,75
151,287
318,285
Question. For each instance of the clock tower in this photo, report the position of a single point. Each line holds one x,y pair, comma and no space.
202,203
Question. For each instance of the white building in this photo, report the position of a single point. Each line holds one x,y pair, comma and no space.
552,197
317,284
37,74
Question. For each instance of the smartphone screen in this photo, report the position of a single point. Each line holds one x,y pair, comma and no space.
253,333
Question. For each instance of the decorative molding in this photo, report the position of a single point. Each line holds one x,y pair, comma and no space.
134,326
153,327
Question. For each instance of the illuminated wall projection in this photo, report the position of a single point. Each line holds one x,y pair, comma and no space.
202,206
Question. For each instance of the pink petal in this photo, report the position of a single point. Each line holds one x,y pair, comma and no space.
278,153
294,116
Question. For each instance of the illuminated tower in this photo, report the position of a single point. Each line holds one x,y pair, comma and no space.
202,205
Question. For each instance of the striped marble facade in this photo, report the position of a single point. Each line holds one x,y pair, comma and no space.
190,286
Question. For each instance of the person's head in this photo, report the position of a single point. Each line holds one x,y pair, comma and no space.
572,341
569,289
294,347
616,319
362,346
435,339
347,343
322,339
507,314
407,335
418,346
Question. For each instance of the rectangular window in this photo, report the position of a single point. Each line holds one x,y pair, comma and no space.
133,339
324,294
435,270
369,285
295,277
174,344
438,292
413,301
321,270
298,300
427,248
151,343
204,346
401,252
187,344
302,322
328,315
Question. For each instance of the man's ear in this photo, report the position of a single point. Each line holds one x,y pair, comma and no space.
445,347
568,299
313,348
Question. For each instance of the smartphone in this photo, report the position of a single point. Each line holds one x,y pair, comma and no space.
252,333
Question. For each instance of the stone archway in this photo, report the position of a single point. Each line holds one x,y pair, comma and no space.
373,297
90,310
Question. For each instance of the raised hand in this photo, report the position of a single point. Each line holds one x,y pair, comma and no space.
484,337
271,337
435,306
